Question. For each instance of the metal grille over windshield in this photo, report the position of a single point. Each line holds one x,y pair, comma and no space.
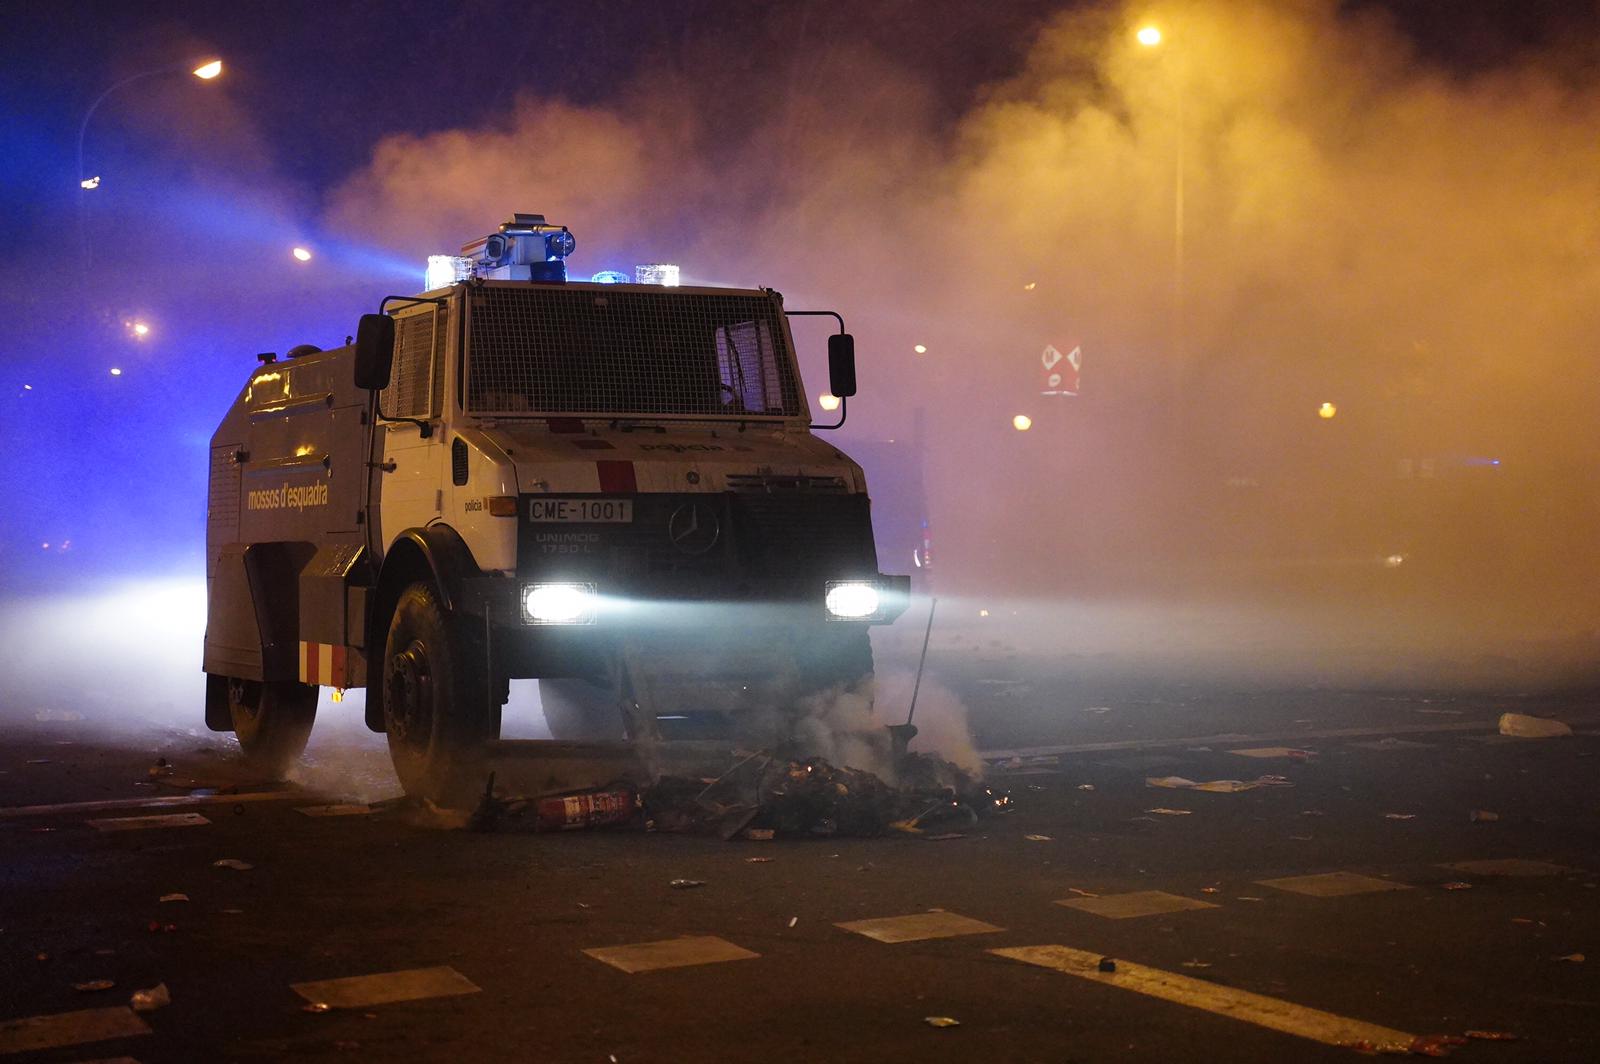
607,353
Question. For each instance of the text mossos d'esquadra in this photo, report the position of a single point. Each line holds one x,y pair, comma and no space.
288,498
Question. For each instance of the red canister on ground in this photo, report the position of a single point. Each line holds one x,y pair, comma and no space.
590,809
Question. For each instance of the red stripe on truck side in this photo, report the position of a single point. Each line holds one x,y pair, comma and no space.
617,476
338,679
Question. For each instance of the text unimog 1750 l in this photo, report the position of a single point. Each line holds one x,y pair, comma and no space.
611,487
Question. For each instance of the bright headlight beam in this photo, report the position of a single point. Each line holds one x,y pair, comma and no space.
558,603
851,600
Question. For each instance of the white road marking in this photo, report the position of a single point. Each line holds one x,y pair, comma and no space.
412,984
140,823
1509,866
1238,739
69,1029
169,802
1263,1011
1332,884
683,952
1136,903
1288,752
918,927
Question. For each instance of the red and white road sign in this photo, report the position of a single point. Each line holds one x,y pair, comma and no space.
1061,371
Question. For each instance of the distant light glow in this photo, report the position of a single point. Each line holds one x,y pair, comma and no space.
207,71
920,349
1394,561
1022,422
662,273
302,254
116,371
90,182
828,402
1149,36
983,613
1326,411
138,329
29,388
1030,286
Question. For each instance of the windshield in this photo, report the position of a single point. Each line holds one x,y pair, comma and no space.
578,351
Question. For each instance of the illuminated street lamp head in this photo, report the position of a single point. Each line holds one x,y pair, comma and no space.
920,349
1149,36
302,254
1326,411
116,371
828,402
138,329
207,71
1022,422
90,182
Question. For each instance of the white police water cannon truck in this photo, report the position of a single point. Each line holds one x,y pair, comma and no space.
614,488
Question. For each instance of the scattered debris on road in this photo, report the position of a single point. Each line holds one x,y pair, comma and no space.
1399,816
1482,816
686,884
1522,726
233,863
150,999
1164,811
1180,783
1038,838
1573,958
173,897
1456,885
941,1021
93,986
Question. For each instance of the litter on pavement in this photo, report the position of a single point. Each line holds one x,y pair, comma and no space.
1522,726
941,1021
233,863
1180,783
150,999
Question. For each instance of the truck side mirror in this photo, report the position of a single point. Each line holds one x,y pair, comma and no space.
374,351
842,365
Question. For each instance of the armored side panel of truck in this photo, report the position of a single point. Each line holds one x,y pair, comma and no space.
613,488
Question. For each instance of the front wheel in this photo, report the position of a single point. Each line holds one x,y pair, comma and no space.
272,721
435,698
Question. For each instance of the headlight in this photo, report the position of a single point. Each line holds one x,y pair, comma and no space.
558,604
851,600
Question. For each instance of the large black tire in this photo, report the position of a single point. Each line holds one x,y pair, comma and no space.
272,721
434,699
581,710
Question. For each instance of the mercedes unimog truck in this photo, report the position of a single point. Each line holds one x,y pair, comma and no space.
613,488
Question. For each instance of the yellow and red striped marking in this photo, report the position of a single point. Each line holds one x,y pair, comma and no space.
325,664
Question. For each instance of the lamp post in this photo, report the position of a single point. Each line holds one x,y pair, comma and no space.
1152,37
205,72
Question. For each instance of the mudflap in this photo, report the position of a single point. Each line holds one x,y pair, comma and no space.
218,717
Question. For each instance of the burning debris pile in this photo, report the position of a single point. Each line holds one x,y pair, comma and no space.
763,797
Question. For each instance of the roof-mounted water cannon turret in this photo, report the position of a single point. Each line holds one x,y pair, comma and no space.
527,248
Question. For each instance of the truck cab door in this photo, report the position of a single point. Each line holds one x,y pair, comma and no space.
413,478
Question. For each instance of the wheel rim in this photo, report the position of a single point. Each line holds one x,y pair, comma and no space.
410,695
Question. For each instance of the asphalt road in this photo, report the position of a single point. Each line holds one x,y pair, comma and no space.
1235,968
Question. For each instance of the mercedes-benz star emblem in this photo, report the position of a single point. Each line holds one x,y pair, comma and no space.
693,528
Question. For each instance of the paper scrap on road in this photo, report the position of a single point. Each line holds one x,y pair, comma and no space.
69,1029
233,863
1180,783
1522,726
918,927
1135,904
139,823
671,953
412,984
1282,752
1164,811
1272,1013
334,810
1332,884
1510,866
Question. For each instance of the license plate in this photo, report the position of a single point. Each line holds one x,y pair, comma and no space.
581,511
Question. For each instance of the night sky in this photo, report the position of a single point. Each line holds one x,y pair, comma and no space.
206,187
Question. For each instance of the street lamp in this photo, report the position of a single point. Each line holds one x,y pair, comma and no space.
1150,36
206,71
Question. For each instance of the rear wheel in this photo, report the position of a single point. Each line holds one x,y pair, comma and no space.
435,699
581,710
272,721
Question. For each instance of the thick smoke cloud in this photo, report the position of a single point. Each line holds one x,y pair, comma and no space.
1413,245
